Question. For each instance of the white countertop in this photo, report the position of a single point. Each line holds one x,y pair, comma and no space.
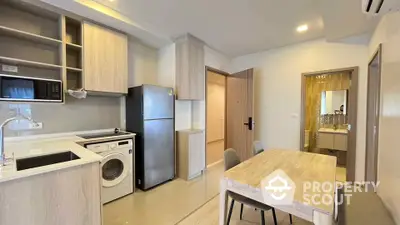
331,130
31,146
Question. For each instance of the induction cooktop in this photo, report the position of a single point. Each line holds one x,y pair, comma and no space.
103,135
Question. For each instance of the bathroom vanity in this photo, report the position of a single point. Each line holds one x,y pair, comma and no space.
334,139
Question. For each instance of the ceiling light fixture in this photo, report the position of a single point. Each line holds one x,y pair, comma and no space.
302,28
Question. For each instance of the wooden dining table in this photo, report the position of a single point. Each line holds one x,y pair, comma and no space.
312,174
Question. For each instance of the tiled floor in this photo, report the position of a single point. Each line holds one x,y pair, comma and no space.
208,215
196,203
166,204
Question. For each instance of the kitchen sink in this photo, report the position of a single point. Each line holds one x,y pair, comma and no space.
44,160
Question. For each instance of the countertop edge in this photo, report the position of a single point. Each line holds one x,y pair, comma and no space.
72,143
45,169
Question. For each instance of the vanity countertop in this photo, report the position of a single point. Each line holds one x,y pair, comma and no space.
331,130
38,145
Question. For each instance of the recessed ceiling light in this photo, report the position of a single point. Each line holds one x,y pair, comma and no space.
302,28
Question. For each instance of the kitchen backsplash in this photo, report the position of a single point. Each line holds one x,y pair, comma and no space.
92,113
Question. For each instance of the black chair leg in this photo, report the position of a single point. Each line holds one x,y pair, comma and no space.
262,217
230,212
241,211
291,219
274,215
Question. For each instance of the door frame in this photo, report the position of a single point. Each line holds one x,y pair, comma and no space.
352,115
225,74
377,86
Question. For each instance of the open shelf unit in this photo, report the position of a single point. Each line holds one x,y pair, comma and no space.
41,43
72,40
74,69
17,62
73,46
29,36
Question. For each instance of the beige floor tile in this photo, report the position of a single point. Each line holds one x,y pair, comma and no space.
208,215
166,204
196,202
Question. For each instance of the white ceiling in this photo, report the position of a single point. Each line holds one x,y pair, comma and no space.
238,27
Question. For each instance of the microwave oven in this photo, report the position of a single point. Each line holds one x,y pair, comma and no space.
30,89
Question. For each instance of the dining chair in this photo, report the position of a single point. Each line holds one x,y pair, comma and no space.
231,159
257,149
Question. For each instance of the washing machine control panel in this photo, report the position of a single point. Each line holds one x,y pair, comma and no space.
109,146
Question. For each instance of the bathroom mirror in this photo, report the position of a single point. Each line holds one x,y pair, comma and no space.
334,102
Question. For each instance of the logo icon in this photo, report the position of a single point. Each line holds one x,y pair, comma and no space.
278,189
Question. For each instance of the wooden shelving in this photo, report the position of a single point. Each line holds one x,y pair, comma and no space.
73,53
74,69
15,61
29,36
73,46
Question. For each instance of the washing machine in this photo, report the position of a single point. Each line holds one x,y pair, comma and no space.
116,168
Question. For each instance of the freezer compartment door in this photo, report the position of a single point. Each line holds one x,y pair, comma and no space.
158,102
159,154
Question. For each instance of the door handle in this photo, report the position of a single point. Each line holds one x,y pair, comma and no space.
250,123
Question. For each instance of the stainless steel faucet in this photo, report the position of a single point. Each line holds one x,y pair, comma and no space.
3,158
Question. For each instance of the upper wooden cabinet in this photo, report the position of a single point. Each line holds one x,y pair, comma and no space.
105,59
190,68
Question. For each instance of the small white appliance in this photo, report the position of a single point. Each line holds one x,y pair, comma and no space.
117,168
380,7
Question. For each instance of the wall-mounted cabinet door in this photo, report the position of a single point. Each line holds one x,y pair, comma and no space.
105,59
190,68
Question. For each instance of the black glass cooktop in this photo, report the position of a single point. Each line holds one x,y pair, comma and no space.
102,135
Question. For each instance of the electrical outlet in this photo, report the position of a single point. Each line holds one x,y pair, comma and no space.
35,126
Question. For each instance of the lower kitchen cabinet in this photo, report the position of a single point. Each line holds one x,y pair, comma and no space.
68,196
190,153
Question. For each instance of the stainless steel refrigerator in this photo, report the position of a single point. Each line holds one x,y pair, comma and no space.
150,114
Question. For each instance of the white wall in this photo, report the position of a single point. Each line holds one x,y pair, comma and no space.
142,63
388,33
215,60
166,77
142,68
278,89
188,114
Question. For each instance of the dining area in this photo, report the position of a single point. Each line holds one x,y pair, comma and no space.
299,184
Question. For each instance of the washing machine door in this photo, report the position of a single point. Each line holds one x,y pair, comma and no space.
114,168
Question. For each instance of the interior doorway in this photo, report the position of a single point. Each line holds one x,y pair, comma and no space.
329,117
215,116
373,112
229,114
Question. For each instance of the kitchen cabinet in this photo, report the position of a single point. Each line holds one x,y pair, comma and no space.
105,59
64,196
190,153
190,68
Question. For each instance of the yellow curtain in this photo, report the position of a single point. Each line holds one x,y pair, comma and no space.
314,86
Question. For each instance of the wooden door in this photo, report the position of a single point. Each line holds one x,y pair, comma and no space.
239,110
373,107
